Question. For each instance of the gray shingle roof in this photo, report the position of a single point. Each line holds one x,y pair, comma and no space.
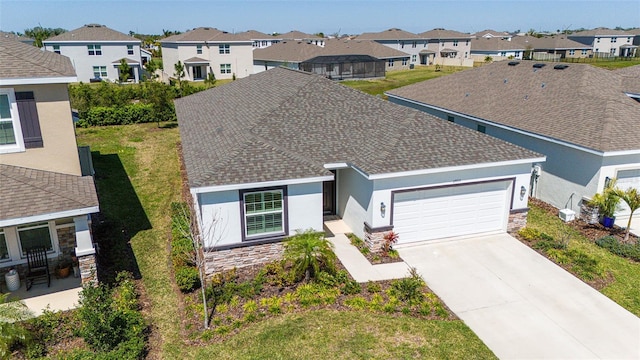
205,34
28,192
92,32
19,60
630,78
558,42
286,124
444,34
256,35
297,35
496,44
389,34
600,32
298,51
20,38
581,104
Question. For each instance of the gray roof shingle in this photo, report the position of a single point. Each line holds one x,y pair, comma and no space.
389,34
286,124
206,34
92,32
581,104
29,192
444,34
19,60
299,51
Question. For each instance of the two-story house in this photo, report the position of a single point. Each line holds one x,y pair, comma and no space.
448,47
206,50
607,42
44,198
260,40
96,52
401,40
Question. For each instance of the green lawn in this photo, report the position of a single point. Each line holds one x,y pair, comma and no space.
610,64
399,78
137,176
625,273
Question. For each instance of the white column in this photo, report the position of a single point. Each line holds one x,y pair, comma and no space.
84,245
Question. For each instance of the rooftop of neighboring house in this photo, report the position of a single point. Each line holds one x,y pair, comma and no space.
601,31
256,35
635,31
580,104
389,34
491,34
297,35
47,192
22,61
496,44
440,33
205,34
92,32
299,51
287,124
558,42
17,37
631,79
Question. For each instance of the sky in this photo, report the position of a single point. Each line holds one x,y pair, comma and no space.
327,16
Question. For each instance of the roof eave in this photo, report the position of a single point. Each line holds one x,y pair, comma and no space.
39,81
49,216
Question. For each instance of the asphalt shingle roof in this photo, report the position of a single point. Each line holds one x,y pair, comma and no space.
298,51
444,34
205,34
559,42
389,34
29,192
630,78
601,32
495,44
286,124
581,104
16,37
297,35
92,32
19,60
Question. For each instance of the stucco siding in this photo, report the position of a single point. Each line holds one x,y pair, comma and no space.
354,199
305,207
59,152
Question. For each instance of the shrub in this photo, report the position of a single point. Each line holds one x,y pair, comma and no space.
11,330
350,287
356,302
187,278
409,289
118,115
277,275
390,239
373,287
529,234
315,294
310,253
611,243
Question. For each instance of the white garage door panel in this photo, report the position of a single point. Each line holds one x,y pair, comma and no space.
625,180
451,211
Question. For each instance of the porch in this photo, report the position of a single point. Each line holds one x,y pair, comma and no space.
63,294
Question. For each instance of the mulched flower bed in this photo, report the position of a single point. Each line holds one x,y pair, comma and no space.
374,258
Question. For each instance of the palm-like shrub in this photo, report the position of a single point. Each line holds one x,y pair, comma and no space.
310,253
11,331
631,197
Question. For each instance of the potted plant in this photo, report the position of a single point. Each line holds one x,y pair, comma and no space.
63,266
607,204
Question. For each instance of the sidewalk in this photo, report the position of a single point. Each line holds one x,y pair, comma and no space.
356,264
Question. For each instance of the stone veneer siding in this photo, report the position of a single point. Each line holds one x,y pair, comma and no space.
517,220
67,239
589,214
88,269
226,259
374,237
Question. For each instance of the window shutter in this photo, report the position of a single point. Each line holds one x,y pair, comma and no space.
29,120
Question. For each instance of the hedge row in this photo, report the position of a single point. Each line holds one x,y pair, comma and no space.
118,115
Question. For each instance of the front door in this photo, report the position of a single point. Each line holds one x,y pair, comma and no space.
329,197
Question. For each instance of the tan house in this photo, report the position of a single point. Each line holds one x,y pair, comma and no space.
46,200
554,47
207,50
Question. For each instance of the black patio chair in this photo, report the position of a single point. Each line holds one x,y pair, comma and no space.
37,266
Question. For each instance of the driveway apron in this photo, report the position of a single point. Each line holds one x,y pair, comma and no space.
521,304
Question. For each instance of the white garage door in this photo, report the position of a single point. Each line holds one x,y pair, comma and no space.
451,211
627,179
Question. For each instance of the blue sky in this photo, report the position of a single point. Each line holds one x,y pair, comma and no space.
328,16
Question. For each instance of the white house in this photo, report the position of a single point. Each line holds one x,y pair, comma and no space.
607,42
275,152
584,119
206,50
96,52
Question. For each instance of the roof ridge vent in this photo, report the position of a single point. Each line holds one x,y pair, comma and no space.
561,66
513,63
539,65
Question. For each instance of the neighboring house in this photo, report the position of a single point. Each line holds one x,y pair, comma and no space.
23,39
583,118
401,40
607,42
554,47
260,40
492,34
205,50
449,47
630,81
338,58
45,200
96,52
496,48
300,36
271,154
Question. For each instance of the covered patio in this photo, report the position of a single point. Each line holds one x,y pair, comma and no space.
63,294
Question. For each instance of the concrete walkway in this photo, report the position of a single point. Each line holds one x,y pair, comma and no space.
356,264
635,223
522,305
62,295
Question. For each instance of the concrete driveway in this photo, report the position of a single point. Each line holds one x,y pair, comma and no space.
522,305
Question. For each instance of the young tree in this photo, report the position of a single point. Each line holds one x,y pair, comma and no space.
179,74
123,71
310,252
631,197
150,67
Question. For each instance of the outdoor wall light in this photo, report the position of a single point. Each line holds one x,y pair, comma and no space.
383,209
523,192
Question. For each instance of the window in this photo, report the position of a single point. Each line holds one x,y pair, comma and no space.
628,39
34,235
612,51
94,49
404,61
129,49
8,118
224,49
516,54
4,250
414,44
572,52
99,72
197,73
402,44
442,43
614,39
225,68
482,129
584,51
503,53
597,40
390,62
198,49
329,67
56,49
264,42
263,212
450,118
467,43
455,42
414,57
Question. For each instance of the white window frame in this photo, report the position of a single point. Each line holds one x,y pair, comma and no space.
95,49
404,61
224,49
572,52
103,74
15,121
129,49
4,235
390,62
414,58
584,52
614,39
47,225
198,49
56,49
455,42
225,68
247,214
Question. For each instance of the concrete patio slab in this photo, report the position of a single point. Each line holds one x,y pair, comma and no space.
62,295
521,304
